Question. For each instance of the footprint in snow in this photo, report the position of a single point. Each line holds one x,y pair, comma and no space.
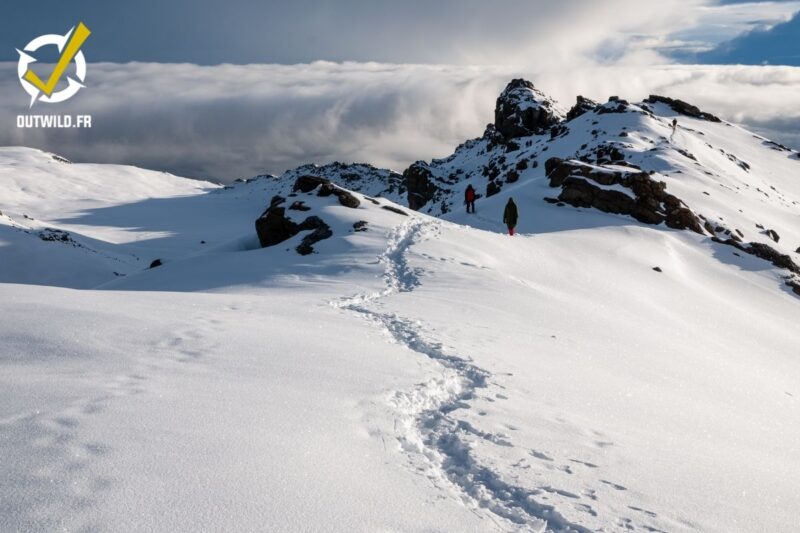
613,485
540,455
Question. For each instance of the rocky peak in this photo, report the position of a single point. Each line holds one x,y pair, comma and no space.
523,110
679,106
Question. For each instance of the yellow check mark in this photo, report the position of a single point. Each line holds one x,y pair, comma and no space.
74,44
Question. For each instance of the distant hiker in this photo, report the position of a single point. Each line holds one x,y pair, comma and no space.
674,127
510,216
469,198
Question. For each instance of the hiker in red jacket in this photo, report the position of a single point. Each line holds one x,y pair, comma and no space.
469,199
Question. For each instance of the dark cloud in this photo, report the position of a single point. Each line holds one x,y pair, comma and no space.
228,122
271,31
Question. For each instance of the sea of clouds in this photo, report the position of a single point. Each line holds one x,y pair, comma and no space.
236,121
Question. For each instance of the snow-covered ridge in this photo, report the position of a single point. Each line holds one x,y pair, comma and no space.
719,179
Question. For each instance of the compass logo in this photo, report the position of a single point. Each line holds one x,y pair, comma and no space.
69,47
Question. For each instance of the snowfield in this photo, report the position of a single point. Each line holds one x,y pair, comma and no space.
425,374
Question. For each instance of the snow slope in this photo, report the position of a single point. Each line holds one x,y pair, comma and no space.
423,375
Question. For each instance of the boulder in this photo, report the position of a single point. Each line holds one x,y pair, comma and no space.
345,198
274,227
522,110
772,234
420,185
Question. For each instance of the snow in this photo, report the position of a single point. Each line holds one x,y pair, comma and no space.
427,374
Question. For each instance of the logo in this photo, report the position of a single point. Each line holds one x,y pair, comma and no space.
69,47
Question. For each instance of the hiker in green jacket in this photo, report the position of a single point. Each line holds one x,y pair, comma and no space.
510,216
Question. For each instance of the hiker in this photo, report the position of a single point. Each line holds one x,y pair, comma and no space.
510,216
469,198
674,127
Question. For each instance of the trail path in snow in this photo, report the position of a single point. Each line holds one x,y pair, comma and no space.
428,430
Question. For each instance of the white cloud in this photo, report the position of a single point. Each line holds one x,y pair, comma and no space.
237,121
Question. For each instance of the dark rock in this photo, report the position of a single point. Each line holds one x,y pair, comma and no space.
361,225
772,234
512,176
657,269
798,250
274,227
582,105
308,183
683,218
768,253
795,286
393,209
522,110
550,166
614,105
156,263
299,205
345,198
559,130
650,204
320,231
679,106
420,185
56,235
492,188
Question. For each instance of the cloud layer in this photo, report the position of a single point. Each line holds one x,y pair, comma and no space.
226,122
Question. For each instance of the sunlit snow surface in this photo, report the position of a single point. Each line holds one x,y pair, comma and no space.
424,375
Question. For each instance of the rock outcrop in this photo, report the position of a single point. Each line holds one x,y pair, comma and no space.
684,108
307,184
582,105
523,110
274,227
582,185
